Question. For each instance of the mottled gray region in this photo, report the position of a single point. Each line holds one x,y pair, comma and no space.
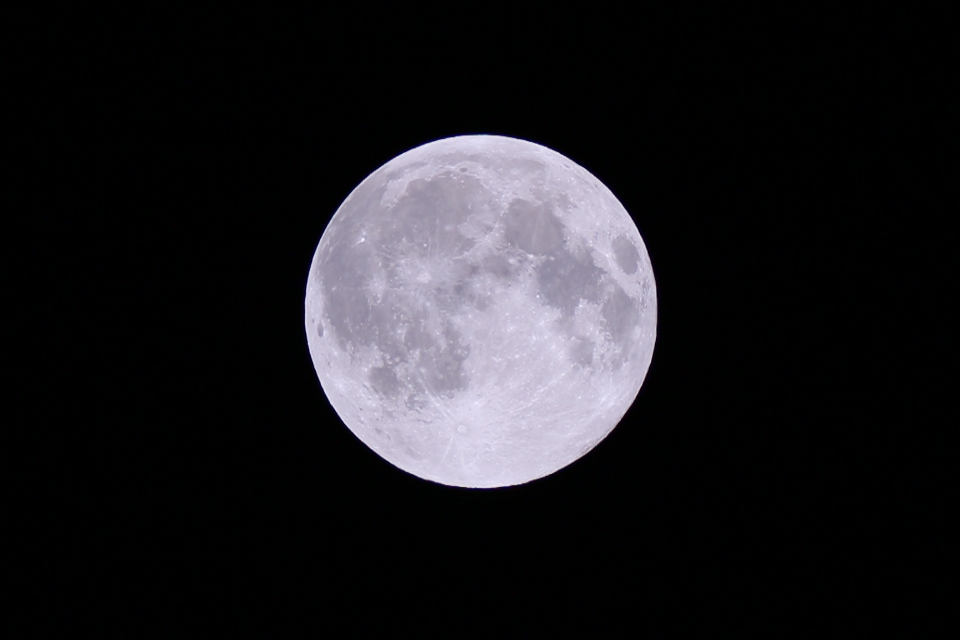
620,314
414,357
499,266
424,225
427,215
442,364
350,315
620,317
384,381
451,288
565,279
532,227
581,352
401,321
625,254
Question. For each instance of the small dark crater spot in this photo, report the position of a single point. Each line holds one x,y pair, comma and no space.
626,255
463,169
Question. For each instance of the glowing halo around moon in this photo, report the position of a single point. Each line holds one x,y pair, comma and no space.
481,311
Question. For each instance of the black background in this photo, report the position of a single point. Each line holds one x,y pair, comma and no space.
768,477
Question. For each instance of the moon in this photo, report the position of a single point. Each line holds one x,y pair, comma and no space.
481,311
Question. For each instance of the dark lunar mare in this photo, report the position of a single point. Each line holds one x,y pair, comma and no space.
565,277
420,351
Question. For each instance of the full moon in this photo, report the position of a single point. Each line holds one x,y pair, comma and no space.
481,311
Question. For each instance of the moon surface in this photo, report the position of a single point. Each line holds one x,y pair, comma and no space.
481,311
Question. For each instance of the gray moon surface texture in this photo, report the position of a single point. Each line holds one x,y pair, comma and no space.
481,311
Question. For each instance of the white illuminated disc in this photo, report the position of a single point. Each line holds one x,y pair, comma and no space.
481,311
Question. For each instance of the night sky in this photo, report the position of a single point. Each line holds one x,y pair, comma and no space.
194,474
